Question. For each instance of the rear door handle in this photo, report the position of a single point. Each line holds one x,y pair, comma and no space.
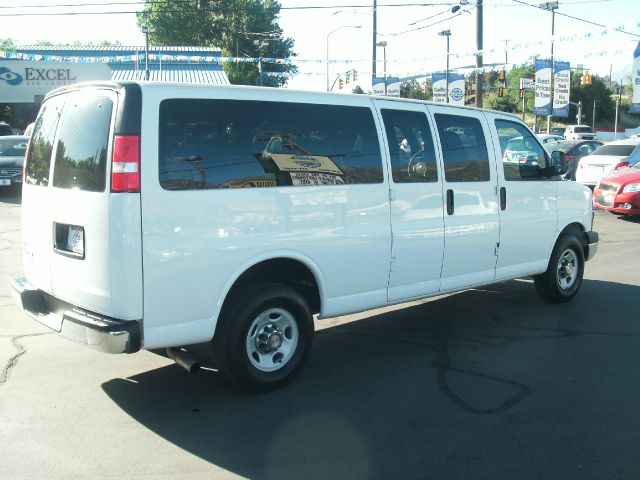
503,198
450,202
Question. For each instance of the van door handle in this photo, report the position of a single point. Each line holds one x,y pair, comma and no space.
503,198
450,202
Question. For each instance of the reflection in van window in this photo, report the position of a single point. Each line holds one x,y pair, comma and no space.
413,158
44,132
522,156
464,148
81,155
208,144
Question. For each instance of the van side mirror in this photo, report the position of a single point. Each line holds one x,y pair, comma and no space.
556,163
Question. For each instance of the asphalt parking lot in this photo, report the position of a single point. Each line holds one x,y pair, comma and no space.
490,383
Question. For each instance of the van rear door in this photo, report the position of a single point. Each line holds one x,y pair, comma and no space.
84,241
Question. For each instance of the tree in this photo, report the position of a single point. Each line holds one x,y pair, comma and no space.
7,44
240,28
414,89
598,91
358,90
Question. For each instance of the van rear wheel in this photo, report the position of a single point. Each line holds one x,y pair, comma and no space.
563,277
263,337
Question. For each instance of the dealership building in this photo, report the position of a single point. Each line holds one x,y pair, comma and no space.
30,72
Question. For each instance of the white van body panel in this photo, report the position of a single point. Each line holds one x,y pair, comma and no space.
194,240
417,219
528,226
472,233
36,237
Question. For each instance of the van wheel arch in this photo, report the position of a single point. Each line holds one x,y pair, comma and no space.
285,271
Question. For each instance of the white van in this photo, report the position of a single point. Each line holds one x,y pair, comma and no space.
165,215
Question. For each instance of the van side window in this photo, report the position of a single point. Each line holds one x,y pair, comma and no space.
522,156
413,157
208,144
42,138
81,159
464,148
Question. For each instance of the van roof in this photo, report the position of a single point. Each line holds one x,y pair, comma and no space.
308,95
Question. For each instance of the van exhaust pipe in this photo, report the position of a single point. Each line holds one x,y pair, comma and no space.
184,359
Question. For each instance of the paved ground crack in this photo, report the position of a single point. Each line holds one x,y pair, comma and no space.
13,361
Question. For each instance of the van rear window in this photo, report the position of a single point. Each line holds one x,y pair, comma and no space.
42,138
81,156
207,144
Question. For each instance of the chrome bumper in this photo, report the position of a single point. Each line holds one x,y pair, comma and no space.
592,245
93,330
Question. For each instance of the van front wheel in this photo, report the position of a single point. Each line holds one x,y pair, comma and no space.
263,337
563,277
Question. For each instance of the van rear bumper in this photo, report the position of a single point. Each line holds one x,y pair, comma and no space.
96,331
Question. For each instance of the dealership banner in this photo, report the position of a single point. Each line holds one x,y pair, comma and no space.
456,88
635,78
543,88
561,88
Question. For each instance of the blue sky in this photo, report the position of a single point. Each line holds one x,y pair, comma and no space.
526,29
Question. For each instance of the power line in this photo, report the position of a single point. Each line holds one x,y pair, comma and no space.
576,18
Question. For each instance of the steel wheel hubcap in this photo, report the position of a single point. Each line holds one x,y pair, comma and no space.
272,339
567,269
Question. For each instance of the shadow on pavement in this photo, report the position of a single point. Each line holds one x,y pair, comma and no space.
488,383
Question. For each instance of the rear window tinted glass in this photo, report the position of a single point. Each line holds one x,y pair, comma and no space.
208,144
464,148
617,150
81,156
42,137
583,130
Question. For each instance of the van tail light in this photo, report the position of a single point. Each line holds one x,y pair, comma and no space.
125,166
621,165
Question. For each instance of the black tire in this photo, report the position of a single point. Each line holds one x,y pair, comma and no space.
563,277
263,337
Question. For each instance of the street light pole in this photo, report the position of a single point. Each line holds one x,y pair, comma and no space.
446,33
383,44
551,6
328,34
260,44
146,29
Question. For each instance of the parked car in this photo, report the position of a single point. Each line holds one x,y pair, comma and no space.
545,138
619,192
573,151
579,132
558,131
612,156
12,150
520,150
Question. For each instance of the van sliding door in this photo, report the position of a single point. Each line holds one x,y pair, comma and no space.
472,228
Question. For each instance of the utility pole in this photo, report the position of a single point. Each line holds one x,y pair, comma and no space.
375,40
551,6
446,33
615,128
479,74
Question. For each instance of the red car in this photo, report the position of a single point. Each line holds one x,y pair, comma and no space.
619,192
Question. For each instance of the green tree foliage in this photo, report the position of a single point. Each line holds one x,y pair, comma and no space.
231,25
7,44
358,90
598,91
415,89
